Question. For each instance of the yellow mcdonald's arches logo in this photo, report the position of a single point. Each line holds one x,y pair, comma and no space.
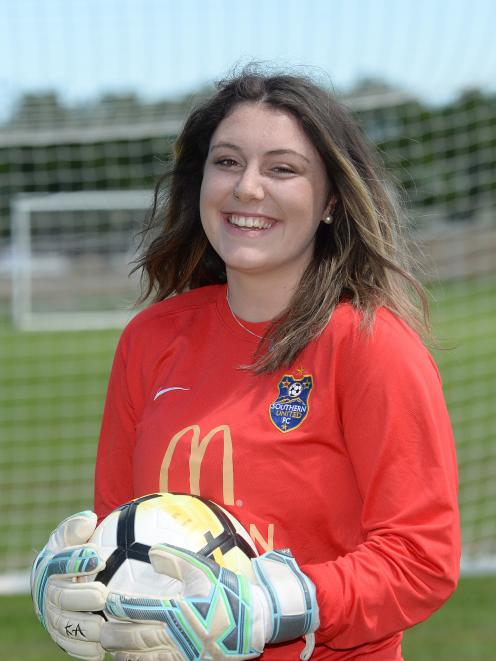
198,447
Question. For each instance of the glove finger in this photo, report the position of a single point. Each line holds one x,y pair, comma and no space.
136,608
85,627
82,649
195,572
122,636
48,570
65,595
75,530
77,561
148,656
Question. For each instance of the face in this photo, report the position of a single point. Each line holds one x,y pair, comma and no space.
264,193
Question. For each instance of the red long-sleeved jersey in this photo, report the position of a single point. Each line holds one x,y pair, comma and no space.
347,457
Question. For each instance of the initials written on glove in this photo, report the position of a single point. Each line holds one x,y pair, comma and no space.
217,615
62,605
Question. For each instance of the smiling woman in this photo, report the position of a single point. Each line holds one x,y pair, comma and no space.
279,374
264,192
259,141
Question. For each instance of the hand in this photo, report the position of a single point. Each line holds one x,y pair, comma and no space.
217,614
60,602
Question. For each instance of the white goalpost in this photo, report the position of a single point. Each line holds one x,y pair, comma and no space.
70,294
70,258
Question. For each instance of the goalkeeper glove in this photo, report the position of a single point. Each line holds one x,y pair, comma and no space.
217,614
59,601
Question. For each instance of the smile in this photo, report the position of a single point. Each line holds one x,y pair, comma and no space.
250,222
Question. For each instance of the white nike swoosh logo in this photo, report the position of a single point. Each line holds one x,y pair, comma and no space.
162,391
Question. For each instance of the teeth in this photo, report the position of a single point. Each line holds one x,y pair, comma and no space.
250,222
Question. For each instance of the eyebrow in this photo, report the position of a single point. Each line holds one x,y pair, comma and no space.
272,152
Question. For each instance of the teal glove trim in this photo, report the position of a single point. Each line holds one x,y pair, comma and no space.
70,561
287,627
212,616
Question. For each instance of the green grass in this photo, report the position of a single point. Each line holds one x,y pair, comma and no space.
463,630
52,389
464,321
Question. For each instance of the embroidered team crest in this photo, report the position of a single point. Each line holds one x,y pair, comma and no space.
291,407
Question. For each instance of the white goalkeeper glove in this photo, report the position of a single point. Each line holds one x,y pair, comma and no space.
62,605
217,615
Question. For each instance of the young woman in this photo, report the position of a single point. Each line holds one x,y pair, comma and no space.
280,373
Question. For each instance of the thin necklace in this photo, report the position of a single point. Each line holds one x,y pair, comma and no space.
260,337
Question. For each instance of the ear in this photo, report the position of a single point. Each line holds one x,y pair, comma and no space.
329,209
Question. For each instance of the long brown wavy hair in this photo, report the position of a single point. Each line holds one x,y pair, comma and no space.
361,257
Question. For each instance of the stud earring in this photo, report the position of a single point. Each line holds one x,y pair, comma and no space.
327,220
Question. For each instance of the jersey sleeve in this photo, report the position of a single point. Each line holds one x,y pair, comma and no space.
113,471
399,440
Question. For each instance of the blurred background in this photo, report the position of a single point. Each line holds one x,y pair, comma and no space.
92,95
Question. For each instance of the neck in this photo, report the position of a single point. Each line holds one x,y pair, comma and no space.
255,298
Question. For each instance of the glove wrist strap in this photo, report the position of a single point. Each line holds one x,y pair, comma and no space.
309,647
291,596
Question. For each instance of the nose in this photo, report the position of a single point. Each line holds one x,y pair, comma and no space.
249,185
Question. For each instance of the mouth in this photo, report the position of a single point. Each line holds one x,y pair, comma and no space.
249,222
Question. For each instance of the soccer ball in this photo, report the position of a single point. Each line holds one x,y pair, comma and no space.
189,522
295,390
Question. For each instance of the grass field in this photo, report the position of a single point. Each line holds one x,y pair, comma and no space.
464,321
52,387
461,631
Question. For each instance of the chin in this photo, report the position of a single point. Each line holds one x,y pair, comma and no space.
246,267
248,263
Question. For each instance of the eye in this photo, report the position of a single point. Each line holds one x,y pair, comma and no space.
283,169
226,162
